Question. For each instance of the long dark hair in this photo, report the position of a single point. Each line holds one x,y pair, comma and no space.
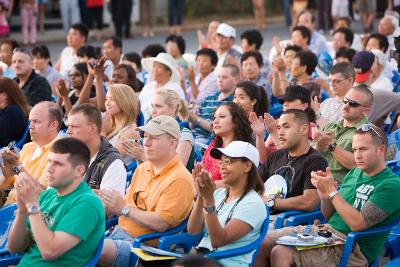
254,181
253,91
241,126
15,96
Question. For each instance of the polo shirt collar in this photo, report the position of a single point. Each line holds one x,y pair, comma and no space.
364,120
171,164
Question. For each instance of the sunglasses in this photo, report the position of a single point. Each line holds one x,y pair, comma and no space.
368,127
229,161
139,201
352,103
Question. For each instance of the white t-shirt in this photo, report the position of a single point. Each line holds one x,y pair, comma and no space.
68,59
382,83
251,210
147,93
115,176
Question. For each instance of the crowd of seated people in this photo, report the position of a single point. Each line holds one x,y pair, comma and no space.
197,141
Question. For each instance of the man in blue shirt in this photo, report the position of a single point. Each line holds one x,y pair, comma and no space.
200,122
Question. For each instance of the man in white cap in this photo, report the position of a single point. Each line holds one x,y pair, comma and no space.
225,40
160,196
164,74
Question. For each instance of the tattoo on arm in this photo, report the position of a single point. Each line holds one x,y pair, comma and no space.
373,214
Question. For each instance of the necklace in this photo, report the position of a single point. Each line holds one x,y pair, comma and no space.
291,159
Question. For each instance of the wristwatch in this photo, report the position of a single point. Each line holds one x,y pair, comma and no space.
332,194
271,200
332,147
209,209
17,169
125,210
33,210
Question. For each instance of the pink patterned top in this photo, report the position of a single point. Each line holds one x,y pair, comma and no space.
210,164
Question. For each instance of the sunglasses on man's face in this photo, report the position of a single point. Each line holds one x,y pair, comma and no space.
352,103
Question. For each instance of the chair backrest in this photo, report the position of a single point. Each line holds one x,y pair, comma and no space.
140,119
96,257
20,143
7,218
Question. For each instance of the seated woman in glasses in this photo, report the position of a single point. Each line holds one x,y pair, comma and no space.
230,217
296,97
69,96
230,123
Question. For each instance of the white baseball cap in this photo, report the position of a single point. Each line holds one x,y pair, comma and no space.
380,56
238,149
226,30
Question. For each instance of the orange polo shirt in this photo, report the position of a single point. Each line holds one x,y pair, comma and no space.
169,193
36,168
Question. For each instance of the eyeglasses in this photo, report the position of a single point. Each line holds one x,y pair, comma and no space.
352,103
74,75
139,201
335,82
228,161
368,127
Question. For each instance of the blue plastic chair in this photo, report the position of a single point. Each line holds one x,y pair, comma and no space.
14,259
147,237
297,217
140,119
96,257
393,243
353,236
155,235
130,170
187,241
7,219
394,165
198,155
394,263
20,143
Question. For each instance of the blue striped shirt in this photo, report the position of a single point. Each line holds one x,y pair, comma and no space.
206,111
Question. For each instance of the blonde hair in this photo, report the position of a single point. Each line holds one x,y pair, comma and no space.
128,102
172,99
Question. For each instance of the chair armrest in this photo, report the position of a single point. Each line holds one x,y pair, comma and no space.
166,242
352,236
232,252
305,217
284,215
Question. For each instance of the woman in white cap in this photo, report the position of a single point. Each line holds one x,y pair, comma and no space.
165,74
231,216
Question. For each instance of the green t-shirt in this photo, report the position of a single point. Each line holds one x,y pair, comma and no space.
358,189
344,139
79,213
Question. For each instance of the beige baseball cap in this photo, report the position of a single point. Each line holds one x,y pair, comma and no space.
162,125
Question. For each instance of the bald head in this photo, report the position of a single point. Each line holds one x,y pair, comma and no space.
306,19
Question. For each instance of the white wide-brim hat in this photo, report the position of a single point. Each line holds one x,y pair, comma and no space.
165,59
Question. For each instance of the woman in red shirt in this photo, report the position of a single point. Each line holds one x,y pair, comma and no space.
230,124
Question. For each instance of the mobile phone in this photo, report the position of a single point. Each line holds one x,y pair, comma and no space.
305,237
11,146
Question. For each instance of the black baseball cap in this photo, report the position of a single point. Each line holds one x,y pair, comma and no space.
294,92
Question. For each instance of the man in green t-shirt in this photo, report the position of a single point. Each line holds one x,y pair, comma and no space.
62,225
334,141
365,199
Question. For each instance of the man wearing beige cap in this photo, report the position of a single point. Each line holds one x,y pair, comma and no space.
225,41
160,196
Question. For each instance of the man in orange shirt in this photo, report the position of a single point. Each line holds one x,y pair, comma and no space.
160,196
45,122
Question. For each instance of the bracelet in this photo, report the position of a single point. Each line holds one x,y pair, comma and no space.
332,194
